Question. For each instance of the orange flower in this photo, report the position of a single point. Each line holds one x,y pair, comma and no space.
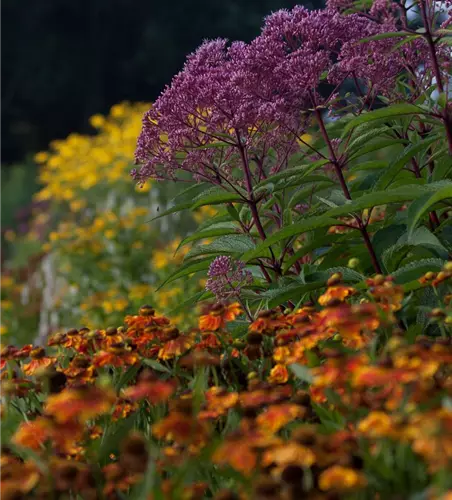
18,477
154,391
338,292
341,479
239,450
289,454
377,424
278,374
182,429
218,316
115,356
220,400
277,416
80,404
36,364
33,434
269,322
175,347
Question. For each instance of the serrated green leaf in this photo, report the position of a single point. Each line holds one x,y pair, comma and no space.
218,199
231,244
393,111
414,270
376,145
288,232
397,195
396,166
223,229
391,34
419,207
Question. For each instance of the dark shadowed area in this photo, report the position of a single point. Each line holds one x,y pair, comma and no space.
64,61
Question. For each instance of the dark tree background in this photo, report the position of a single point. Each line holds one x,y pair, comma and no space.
66,60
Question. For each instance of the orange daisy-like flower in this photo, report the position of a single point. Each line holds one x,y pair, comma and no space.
38,364
289,454
240,450
18,477
122,409
175,347
33,434
182,429
115,357
277,416
80,404
376,425
278,374
154,391
341,479
269,322
339,292
218,315
259,397
220,400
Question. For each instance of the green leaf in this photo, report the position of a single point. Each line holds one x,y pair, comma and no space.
217,199
391,34
419,207
294,172
220,229
302,372
363,138
397,195
176,208
277,296
394,168
289,232
393,111
301,252
191,192
231,244
380,143
369,165
414,270
306,192
155,365
186,269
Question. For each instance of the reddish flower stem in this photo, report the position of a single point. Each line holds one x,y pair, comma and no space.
340,176
436,70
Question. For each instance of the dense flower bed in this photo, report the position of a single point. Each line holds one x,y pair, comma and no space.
314,236
306,404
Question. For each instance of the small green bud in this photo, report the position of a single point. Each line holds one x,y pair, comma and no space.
353,263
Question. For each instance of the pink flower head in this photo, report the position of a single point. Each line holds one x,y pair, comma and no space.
226,278
201,122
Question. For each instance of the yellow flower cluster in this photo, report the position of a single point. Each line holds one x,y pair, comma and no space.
80,163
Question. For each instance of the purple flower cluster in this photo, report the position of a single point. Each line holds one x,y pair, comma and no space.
226,278
243,106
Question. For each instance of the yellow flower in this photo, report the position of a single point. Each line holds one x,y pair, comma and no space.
160,259
118,110
97,121
6,305
3,330
41,157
